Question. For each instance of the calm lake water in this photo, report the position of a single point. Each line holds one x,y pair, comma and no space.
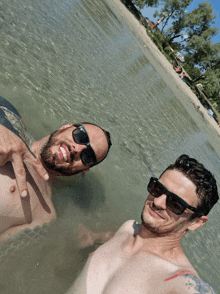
79,60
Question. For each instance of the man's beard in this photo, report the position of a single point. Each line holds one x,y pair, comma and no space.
154,228
50,160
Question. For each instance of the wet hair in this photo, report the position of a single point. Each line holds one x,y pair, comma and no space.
107,135
206,188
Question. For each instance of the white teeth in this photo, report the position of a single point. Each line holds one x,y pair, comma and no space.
64,153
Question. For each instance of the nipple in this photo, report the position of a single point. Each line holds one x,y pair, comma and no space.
12,189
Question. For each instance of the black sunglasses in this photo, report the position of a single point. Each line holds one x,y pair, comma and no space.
81,137
173,202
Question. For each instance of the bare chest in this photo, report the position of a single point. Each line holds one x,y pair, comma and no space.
15,210
139,275
115,271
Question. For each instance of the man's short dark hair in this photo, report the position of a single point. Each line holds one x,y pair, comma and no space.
206,188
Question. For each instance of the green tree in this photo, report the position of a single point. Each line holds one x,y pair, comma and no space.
210,79
142,3
175,11
201,51
192,33
199,30
211,84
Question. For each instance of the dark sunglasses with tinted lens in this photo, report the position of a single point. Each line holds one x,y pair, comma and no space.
81,137
173,202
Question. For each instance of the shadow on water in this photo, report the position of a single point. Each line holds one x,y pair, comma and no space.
85,193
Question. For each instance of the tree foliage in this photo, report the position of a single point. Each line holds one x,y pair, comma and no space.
212,84
142,3
192,34
173,10
199,29
201,19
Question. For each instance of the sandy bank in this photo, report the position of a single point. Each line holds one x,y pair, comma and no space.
157,59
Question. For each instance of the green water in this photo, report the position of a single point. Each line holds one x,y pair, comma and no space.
79,60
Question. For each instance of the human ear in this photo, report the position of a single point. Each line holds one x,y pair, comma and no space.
66,126
198,222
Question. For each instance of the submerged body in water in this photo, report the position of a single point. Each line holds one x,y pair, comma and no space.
148,258
68,151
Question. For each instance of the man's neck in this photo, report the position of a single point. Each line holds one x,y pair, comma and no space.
162,245
37,145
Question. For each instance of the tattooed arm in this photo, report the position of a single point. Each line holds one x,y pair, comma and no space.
189,284
15,145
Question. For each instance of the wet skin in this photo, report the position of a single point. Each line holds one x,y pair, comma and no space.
36,208
140,258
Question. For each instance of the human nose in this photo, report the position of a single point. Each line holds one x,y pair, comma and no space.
160,202
78,148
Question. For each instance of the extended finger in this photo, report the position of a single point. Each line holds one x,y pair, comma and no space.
3,159
5,149
20,175
37,165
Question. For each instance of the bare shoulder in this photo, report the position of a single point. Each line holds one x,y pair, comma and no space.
130,227
188,283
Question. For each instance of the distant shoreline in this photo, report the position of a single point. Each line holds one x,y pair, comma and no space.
162,65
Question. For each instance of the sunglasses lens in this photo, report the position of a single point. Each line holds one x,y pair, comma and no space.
88,156
154,188
173,202
174,205
80,136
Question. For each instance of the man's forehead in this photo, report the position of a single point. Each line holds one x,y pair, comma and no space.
178,183
93,130
175,176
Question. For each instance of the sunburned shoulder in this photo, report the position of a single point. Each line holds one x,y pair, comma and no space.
187,284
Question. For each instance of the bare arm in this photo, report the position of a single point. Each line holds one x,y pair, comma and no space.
13,149
189,284
89,238
194,284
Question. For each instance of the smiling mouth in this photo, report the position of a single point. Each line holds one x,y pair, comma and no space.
63,153
155,211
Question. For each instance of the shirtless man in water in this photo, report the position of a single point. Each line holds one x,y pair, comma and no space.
148,258
70,150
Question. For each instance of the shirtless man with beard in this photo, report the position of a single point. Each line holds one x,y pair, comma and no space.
70,150
147,257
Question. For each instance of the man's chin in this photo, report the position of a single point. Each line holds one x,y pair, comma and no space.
62,171
66,174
